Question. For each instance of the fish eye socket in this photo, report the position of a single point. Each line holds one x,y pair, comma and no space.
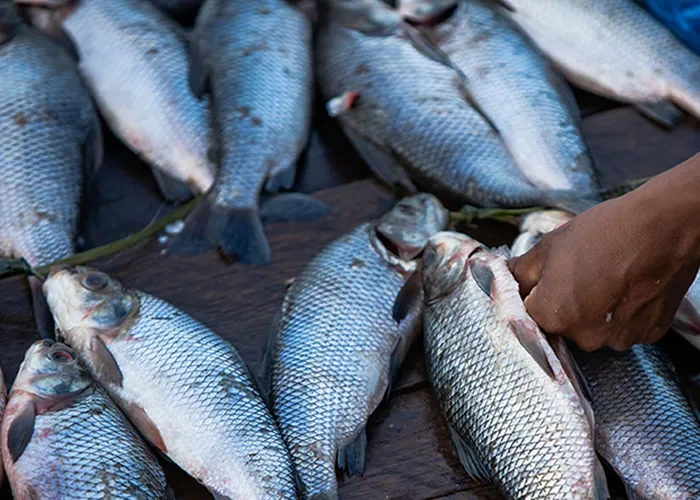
95,281
62,356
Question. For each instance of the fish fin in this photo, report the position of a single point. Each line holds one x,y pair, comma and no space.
267,363
351,458
408,296
380,161
530,338
171,188
145,425
663,113
281,178
292,207
571,201
600,482
21,429
31,494
424,43
105,362
193,239
42,314
93,150
503,251
197,76
239,233
505,4
573,372
469,458
398,353
483,276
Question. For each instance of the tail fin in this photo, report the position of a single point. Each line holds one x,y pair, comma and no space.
42,313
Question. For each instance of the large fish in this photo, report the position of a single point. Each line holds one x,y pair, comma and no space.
49,134
513,84
63,437
515,409
335,348
407,114
616,49
255,56
184,387
646,429
135,61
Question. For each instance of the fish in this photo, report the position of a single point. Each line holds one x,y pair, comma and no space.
254,57
334,348
410,118
51,140
63,437
135,61
185,388
530,105
646,427
516,410
534,226
614,48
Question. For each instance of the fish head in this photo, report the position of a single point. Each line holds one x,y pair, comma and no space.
445,263
52,370
85,299
403,231
10,20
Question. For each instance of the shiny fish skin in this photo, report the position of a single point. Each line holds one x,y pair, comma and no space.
194,388
534,226
645,428
256,55
613,48
331,359
530,432
134,59
687,319
86,449
531,106
411,115
47,129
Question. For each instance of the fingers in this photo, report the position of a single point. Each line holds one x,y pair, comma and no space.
527,269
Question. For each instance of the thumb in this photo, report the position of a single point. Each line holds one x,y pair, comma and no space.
527,269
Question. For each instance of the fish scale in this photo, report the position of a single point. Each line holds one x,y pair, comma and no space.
529,433
646,429
46,118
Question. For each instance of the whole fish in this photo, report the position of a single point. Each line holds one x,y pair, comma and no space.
616,49
646,428
49,134
514,407
135,61
255,56
63,437
184,387
534,226
407,114
335,349
513,84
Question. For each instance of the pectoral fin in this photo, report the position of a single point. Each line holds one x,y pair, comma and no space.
105,364
21,429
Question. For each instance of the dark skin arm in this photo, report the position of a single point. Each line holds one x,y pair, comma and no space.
616,274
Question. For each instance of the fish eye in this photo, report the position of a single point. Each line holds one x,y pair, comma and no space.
95,281
61,356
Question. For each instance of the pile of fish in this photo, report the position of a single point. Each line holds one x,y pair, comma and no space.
450,102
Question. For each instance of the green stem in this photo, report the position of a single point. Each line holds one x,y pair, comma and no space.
20,266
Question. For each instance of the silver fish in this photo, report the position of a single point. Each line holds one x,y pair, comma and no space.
63,437
134,59
515,409
616,49
335,348
256,57
513,84
184,387
407,113
645,427
534,226
49,134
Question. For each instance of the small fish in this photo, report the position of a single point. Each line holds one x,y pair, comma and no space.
254,56
616,49
63,437
51,144
185,388
510,396
335,349
412,119
135,62
646,429
531,106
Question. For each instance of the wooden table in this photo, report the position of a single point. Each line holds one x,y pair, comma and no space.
409,455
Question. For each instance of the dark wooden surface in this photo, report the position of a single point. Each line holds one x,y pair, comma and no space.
409,454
